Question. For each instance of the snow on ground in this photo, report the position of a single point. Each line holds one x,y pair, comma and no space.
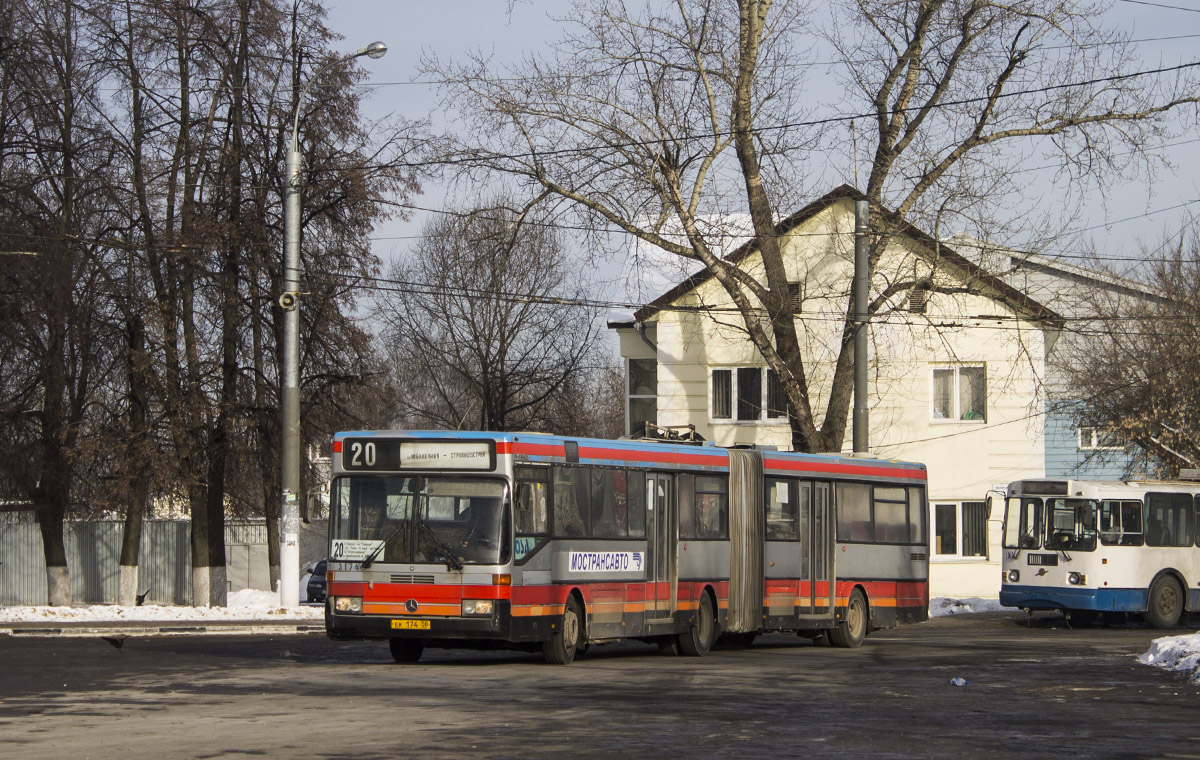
1178,653
941,607
250,604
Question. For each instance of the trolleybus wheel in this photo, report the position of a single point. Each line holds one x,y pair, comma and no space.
1164,603
405,650
850,632
560,648
696,641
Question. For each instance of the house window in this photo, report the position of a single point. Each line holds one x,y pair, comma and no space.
642,394
1094,438
960,530
746,394
960,393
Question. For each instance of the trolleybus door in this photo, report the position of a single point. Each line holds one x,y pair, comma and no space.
661,546
821,543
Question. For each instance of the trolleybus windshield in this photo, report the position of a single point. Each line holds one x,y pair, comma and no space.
420,520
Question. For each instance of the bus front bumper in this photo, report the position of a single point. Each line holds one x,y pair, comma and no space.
1058,598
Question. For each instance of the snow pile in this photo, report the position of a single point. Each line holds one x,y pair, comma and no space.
944,606
1178,653
249,604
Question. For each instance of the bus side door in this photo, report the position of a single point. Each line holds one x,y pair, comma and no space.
817,536
661,546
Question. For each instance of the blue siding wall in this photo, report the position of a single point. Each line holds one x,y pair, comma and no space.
1063,457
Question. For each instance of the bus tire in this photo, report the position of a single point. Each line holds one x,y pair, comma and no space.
853,629
560,648
1164,602
406,650
698,639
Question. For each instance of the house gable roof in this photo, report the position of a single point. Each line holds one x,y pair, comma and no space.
968,272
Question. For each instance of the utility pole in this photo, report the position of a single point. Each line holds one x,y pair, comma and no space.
862,278
289,301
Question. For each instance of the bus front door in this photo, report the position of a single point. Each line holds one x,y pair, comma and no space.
661,547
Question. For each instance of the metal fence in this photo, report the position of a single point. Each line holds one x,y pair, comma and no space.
164,563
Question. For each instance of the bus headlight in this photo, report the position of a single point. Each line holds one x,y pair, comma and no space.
1014,576
1076,579
477,607
348,604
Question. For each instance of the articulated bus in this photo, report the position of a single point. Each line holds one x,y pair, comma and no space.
1090,547
530,541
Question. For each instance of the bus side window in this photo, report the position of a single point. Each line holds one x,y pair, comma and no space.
571,501
636,494
1120,523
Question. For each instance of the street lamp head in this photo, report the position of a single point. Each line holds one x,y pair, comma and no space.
374,50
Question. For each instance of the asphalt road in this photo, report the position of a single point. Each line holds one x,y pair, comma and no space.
1041,690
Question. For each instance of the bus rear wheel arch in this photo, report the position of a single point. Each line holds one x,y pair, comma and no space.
561,647
1164,602
852,629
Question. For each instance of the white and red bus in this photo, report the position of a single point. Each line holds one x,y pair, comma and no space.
521,540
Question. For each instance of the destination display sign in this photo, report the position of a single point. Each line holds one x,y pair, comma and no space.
390,454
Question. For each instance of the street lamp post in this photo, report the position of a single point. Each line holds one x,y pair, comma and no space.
289,548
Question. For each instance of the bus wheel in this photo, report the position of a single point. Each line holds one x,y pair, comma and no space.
1164,603
696,641
850,632
405,650
560,648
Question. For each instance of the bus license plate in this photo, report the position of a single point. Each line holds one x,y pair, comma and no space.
411,625
1045,560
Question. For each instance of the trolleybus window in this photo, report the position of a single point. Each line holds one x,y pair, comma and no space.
1120,522
1022,524
1169,519
1071,524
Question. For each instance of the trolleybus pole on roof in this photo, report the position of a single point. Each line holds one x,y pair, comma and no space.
289,301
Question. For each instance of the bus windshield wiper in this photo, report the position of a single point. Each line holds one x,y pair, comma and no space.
452,560
367,560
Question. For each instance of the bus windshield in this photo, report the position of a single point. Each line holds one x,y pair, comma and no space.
1071,524
420,520
1023,524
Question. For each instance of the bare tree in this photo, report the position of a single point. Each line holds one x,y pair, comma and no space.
651,122
476,327
57,159
1134,377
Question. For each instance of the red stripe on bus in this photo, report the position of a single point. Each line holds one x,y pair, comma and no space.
627,455
881,471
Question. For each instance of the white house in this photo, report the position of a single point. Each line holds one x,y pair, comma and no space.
956,372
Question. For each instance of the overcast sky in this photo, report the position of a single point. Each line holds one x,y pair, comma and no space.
452,27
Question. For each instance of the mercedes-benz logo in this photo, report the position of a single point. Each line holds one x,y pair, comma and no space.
411,605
